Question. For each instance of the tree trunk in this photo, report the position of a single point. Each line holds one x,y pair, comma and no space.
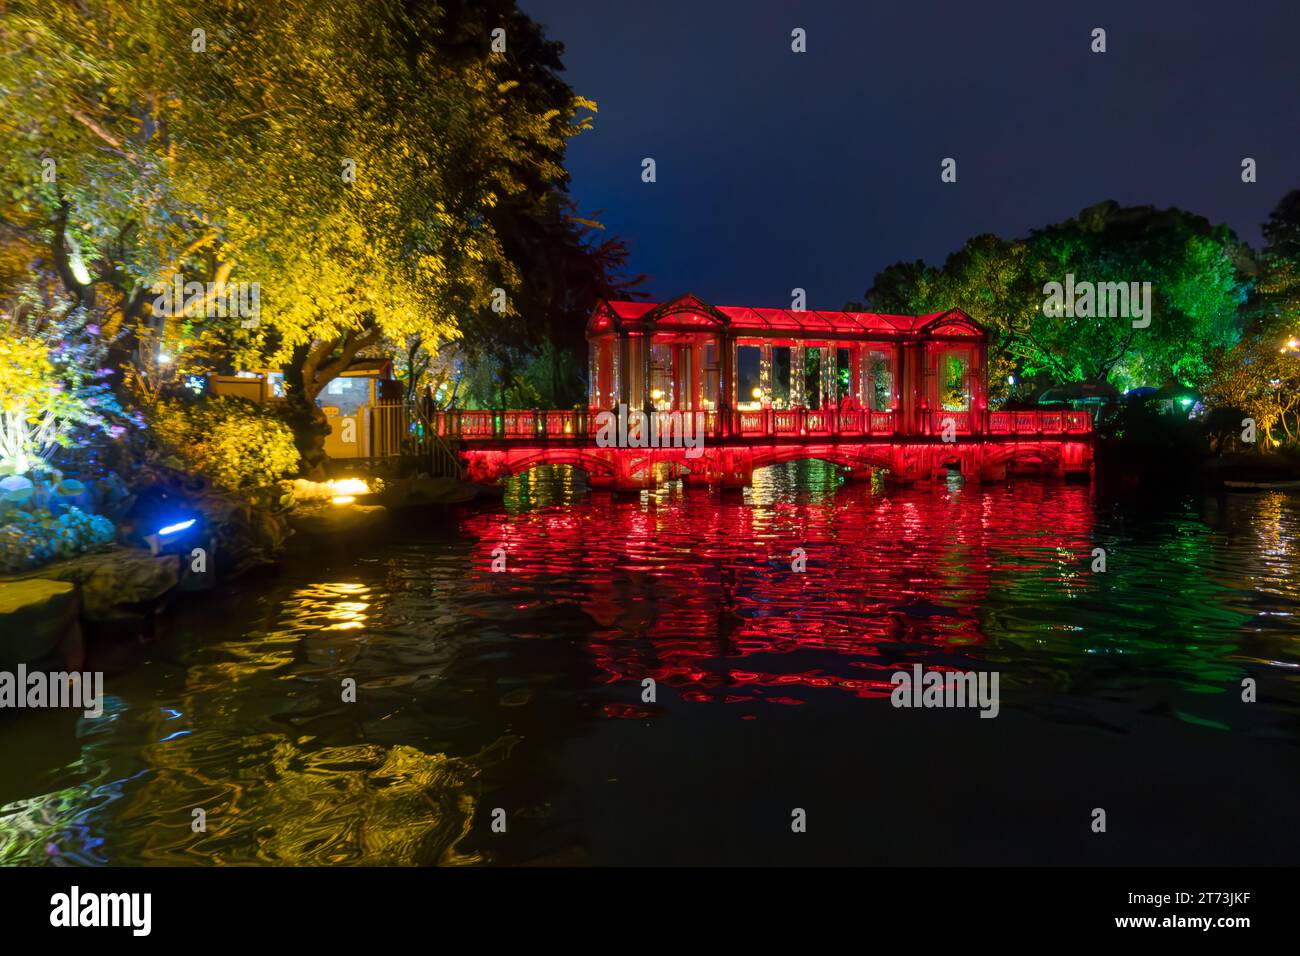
309,371
305,417
309,430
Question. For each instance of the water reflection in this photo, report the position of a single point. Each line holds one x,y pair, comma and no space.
473,684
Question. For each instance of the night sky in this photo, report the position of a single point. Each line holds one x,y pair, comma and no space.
778,169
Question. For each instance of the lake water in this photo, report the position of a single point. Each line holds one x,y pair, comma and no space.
517,697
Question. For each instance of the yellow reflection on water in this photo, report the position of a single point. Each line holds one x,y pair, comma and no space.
543,486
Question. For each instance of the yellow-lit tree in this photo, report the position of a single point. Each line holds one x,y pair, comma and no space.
350,158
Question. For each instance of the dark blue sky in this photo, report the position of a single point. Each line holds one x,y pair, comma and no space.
816,170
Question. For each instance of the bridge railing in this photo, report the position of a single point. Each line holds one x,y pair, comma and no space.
1039,422
537,425
959,422
798,422
767,422
511,423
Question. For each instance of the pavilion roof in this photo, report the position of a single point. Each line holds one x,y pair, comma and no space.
687,311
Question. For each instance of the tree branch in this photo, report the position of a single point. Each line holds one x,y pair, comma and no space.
333,370
85,293
95,128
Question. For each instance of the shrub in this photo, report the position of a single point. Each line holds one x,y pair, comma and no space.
53,394
29,539
235,443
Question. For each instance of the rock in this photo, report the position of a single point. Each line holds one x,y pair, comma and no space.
247,534
113,583
38,615
337,519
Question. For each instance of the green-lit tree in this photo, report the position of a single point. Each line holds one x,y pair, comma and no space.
1260,374
1197,275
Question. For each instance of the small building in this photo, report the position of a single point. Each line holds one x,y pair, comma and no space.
362,405
686,354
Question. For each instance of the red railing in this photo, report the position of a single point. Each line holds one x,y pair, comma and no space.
798,422
1039,423
461,423
765,422
946,422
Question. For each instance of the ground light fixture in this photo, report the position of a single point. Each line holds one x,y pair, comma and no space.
179,526
344,491
175,533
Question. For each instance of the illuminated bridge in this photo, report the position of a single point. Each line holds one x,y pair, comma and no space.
906,394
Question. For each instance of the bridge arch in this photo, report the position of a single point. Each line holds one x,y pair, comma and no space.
489,465
852,457
1002,454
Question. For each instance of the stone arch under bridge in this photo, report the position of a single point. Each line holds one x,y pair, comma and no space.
486,466
733,465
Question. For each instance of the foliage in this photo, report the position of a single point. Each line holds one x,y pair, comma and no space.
1260,374
1278,291
51,492
1198,282
566,268
236,443
538,358
29,539
372,165
52,391
350,157
1196,290
548,377
1261,381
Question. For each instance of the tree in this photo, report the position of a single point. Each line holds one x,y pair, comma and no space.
1277,300
1198,280
1195,271
347,157
1260,374
566,266
53,389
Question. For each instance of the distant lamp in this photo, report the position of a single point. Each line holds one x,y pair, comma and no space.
1011,380
757,393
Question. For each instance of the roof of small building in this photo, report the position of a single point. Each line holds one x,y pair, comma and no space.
688,311
369,366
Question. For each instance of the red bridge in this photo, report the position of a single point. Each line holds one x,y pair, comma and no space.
711,393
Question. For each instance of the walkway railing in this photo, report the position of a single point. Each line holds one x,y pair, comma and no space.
1040,423
537,425
531,424
799,422
389,428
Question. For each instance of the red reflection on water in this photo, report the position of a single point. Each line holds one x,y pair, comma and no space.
697,591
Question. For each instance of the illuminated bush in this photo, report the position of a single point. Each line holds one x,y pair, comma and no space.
29,539
235,443
52,393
